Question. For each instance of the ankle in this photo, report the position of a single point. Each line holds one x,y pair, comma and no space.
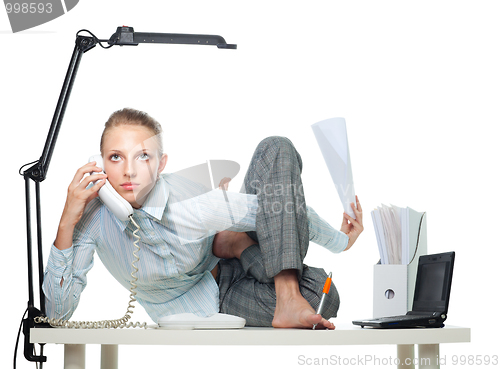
286,283
243,242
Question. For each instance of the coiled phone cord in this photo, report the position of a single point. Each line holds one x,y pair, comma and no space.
116,323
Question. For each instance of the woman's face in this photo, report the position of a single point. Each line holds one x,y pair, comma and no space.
132,162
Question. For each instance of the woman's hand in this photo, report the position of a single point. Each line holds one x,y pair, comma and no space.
78,197
224,183
353,227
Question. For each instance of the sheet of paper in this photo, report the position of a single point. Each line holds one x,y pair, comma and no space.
392,229
379,232
331,135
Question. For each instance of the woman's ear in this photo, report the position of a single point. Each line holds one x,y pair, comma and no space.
163,163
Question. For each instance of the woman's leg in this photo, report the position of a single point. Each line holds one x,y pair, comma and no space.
282,230
269,283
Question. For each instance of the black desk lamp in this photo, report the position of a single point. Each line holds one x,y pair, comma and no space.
123,36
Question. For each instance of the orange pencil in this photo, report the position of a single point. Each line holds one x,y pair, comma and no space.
326,289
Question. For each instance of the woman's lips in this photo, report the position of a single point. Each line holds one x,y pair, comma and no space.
129,186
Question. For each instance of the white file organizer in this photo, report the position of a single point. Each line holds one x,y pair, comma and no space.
394,284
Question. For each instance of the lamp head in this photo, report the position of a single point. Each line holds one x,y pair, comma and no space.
127,36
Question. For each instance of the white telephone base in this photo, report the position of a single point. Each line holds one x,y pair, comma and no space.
192,321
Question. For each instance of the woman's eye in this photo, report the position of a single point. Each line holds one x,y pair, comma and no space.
114,157
144,156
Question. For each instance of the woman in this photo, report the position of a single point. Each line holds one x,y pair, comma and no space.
195,255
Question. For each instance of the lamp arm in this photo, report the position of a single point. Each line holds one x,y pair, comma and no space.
38,172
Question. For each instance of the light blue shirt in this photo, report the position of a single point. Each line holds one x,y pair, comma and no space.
176,259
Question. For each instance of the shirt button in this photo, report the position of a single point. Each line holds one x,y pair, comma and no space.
62,263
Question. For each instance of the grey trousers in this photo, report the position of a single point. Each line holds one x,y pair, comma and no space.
246,286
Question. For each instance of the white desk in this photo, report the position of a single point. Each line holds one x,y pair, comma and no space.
428,340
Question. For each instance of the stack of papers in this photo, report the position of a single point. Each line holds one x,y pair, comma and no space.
397,230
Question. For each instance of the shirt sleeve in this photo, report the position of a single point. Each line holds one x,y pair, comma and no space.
222,210
71,265
324,234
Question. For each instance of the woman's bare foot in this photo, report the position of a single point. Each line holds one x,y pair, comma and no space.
295,312
292,309
229,244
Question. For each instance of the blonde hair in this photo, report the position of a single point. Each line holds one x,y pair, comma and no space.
129,116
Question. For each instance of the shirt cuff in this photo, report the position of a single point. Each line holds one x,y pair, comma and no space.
60,261
344,241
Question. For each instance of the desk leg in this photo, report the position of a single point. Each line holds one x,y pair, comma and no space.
428,356
109,356
74,356
406,356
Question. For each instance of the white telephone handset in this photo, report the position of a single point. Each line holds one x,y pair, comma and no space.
117,204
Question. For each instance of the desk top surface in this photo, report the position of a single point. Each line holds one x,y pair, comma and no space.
342,335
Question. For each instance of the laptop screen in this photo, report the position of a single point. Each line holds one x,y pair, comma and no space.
433,284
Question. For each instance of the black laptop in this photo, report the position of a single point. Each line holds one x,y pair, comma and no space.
432,295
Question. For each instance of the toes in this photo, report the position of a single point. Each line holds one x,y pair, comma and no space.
325,324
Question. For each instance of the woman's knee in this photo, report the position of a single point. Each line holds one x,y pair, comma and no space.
283,147
279,142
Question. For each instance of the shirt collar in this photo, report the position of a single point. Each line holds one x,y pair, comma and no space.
154,205
157,199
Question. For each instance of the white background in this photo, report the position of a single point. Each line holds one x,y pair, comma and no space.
417,82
